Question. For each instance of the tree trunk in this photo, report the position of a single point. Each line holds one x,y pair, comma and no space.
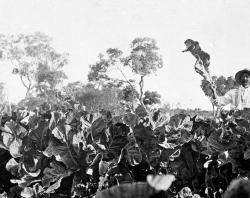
141,84
213,110
28,87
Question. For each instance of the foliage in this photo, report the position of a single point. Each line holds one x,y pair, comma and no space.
98,71
128,94
5,106
73,153
223,85
143,60
151,97
34,60
96,100
78,143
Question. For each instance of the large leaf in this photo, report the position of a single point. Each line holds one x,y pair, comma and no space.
143,132
119,129
31,121
63,152
16,129
117,141
12,138
103,167
154,156
98,127
63,133
4,195
181,121
242,114
25,181
160,119
34,162
28,192
131,119
167,152
247,154
140,190
215,142
145,137
15,148
29,160
134,155
141,111
55,117
33,192
54,175
13,167
38,138
115,147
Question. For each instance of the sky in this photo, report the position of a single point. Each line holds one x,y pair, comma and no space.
85,28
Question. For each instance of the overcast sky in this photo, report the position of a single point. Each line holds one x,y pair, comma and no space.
85,28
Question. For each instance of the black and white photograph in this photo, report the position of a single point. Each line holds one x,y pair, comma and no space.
124,99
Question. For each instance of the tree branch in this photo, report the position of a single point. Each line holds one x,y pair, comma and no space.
124,76
21,77
28,77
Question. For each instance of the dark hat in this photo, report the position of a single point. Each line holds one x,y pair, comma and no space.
239,73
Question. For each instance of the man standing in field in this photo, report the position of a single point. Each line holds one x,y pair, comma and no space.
238,98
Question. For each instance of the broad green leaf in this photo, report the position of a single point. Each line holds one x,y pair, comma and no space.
54,174
134,155
55,117
160,119
16,129
214,141
33,192
54,186
103,166
139,190
13,167
15,148
247,154
38,137
145,137
98,127
131,119
167,152
4,195
12,138
115,147
28,192
63,153
62,132
25,181
141,111
178,120
117,119
119,129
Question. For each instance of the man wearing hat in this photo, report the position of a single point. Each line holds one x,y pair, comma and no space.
238,98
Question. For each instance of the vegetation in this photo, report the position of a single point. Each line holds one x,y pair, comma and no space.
108,136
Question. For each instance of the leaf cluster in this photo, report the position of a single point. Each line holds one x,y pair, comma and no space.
75,153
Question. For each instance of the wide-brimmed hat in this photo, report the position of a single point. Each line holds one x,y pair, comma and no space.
239,73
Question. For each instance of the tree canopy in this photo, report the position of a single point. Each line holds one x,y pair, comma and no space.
34,60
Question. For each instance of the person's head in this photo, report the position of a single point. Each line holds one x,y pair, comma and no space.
242,77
